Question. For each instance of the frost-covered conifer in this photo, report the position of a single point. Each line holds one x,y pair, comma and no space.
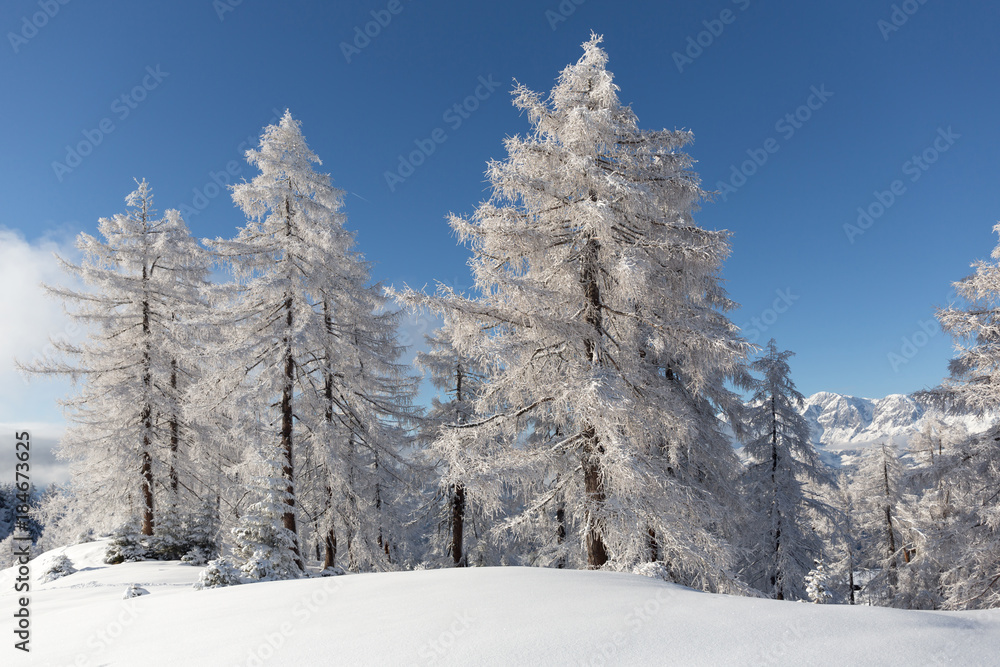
140,283
970,483
460,379
884,535
781,468
818,585
601,309
307,345
263,547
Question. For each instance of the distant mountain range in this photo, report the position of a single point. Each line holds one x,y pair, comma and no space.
842,425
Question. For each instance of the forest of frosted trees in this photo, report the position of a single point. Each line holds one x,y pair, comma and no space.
261,424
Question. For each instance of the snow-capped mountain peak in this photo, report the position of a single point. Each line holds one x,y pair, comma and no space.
839,422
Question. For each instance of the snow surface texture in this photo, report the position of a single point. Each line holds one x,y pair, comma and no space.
474,616
841,425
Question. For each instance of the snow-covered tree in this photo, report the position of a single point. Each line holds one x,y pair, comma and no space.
263,547
306,345
844,543
879,494
970,477
460,379
601,309
973,384
141,283
967,536
781,468
818,585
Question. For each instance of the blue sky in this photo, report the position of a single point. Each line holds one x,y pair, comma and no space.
866,90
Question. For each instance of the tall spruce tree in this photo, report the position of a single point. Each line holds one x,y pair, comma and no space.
308,346
599,299
971,478
782,472
879,494
450,450
142,282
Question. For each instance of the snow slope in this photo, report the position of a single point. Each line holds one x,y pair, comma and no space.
476,616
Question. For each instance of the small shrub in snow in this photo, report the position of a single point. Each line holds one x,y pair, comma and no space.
220,572
266,565
332,571
134,591
654,571
195,556
818,585
180,533
126,545
60,567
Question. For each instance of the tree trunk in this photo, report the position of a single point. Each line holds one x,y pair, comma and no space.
330,539
561,533
458,498
287,468
146,467
330,548
850,572
147,491
597,553
652,545
888,516
174,431
777,579
593,481
457,525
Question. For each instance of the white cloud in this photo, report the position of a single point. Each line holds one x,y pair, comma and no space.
30,319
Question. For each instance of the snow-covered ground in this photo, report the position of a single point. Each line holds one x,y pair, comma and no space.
476,616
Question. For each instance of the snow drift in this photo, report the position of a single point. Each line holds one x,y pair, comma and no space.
475,616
